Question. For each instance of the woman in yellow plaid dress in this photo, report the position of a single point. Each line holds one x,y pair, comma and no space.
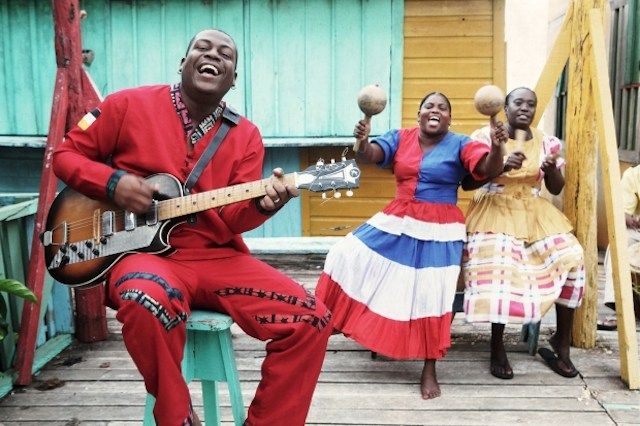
520,258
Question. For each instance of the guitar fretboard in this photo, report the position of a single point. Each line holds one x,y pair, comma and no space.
182,206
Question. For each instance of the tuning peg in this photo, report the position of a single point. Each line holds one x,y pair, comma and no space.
324,195
320,162
337,194
349,193
333,161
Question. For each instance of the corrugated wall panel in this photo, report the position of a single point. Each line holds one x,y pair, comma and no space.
300,67
310,59
27,59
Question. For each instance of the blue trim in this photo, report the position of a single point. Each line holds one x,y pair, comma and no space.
409,251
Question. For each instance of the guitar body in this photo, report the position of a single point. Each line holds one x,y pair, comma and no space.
78,221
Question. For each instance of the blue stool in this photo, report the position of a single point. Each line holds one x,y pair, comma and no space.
208,356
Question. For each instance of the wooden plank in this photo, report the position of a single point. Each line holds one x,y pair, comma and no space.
448,8
381,416
135,391
460,109
579,192
452,87
35,276
319,71
397,62
450,47
629,361
50,349
6,384
499,44
448,26
350,398
428,67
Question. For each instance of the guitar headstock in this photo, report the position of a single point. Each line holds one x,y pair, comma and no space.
330,177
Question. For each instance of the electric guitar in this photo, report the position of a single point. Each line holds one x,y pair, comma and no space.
85,237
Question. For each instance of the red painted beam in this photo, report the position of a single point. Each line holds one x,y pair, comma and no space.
35,275
68,107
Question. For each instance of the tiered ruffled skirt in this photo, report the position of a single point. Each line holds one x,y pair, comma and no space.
520,258
390,284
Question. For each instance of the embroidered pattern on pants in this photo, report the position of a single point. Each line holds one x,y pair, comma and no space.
155,307
309,302
314,321
173,293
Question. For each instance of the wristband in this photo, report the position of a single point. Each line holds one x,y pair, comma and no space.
113,182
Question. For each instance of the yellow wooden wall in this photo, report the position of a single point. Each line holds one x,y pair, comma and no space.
453,47
450,46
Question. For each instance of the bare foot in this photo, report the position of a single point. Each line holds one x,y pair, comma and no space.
562,352
499,364
429,387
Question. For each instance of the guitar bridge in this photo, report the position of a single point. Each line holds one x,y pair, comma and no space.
47,236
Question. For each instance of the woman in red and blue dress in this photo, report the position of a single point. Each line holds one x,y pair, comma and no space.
390,284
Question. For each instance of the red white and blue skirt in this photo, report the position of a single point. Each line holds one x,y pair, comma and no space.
391,283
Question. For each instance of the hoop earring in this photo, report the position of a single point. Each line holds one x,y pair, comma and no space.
179,70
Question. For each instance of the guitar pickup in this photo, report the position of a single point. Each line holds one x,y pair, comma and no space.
129,221
108,223
151,217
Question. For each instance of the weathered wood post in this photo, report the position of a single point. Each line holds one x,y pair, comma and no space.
73,94
580,198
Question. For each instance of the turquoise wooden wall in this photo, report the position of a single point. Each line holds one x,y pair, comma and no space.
300,67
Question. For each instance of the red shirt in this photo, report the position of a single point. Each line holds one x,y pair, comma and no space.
139,131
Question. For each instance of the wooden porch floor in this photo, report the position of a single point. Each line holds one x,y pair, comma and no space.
100,385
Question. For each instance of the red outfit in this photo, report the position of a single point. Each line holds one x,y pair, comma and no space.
139,131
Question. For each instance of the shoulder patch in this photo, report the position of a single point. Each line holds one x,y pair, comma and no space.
89,118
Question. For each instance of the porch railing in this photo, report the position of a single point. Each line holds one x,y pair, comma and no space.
56,316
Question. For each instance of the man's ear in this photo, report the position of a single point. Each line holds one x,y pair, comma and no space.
181,64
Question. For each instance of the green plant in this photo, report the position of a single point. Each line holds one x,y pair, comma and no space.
17,289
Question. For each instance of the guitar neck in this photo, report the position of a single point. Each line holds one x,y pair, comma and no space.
189,204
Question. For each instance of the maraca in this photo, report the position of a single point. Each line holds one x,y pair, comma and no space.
489,100
371,101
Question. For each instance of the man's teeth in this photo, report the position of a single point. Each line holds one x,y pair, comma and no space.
209,69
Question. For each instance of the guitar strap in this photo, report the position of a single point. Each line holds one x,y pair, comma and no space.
229,118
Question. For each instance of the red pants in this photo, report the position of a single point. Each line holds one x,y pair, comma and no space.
154,296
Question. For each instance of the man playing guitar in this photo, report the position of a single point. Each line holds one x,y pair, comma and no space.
164,129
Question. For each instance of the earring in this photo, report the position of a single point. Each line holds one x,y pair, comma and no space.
233,87
180,70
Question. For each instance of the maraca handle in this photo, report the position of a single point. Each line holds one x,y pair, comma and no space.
356,145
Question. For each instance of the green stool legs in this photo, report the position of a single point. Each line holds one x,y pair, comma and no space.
209,356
